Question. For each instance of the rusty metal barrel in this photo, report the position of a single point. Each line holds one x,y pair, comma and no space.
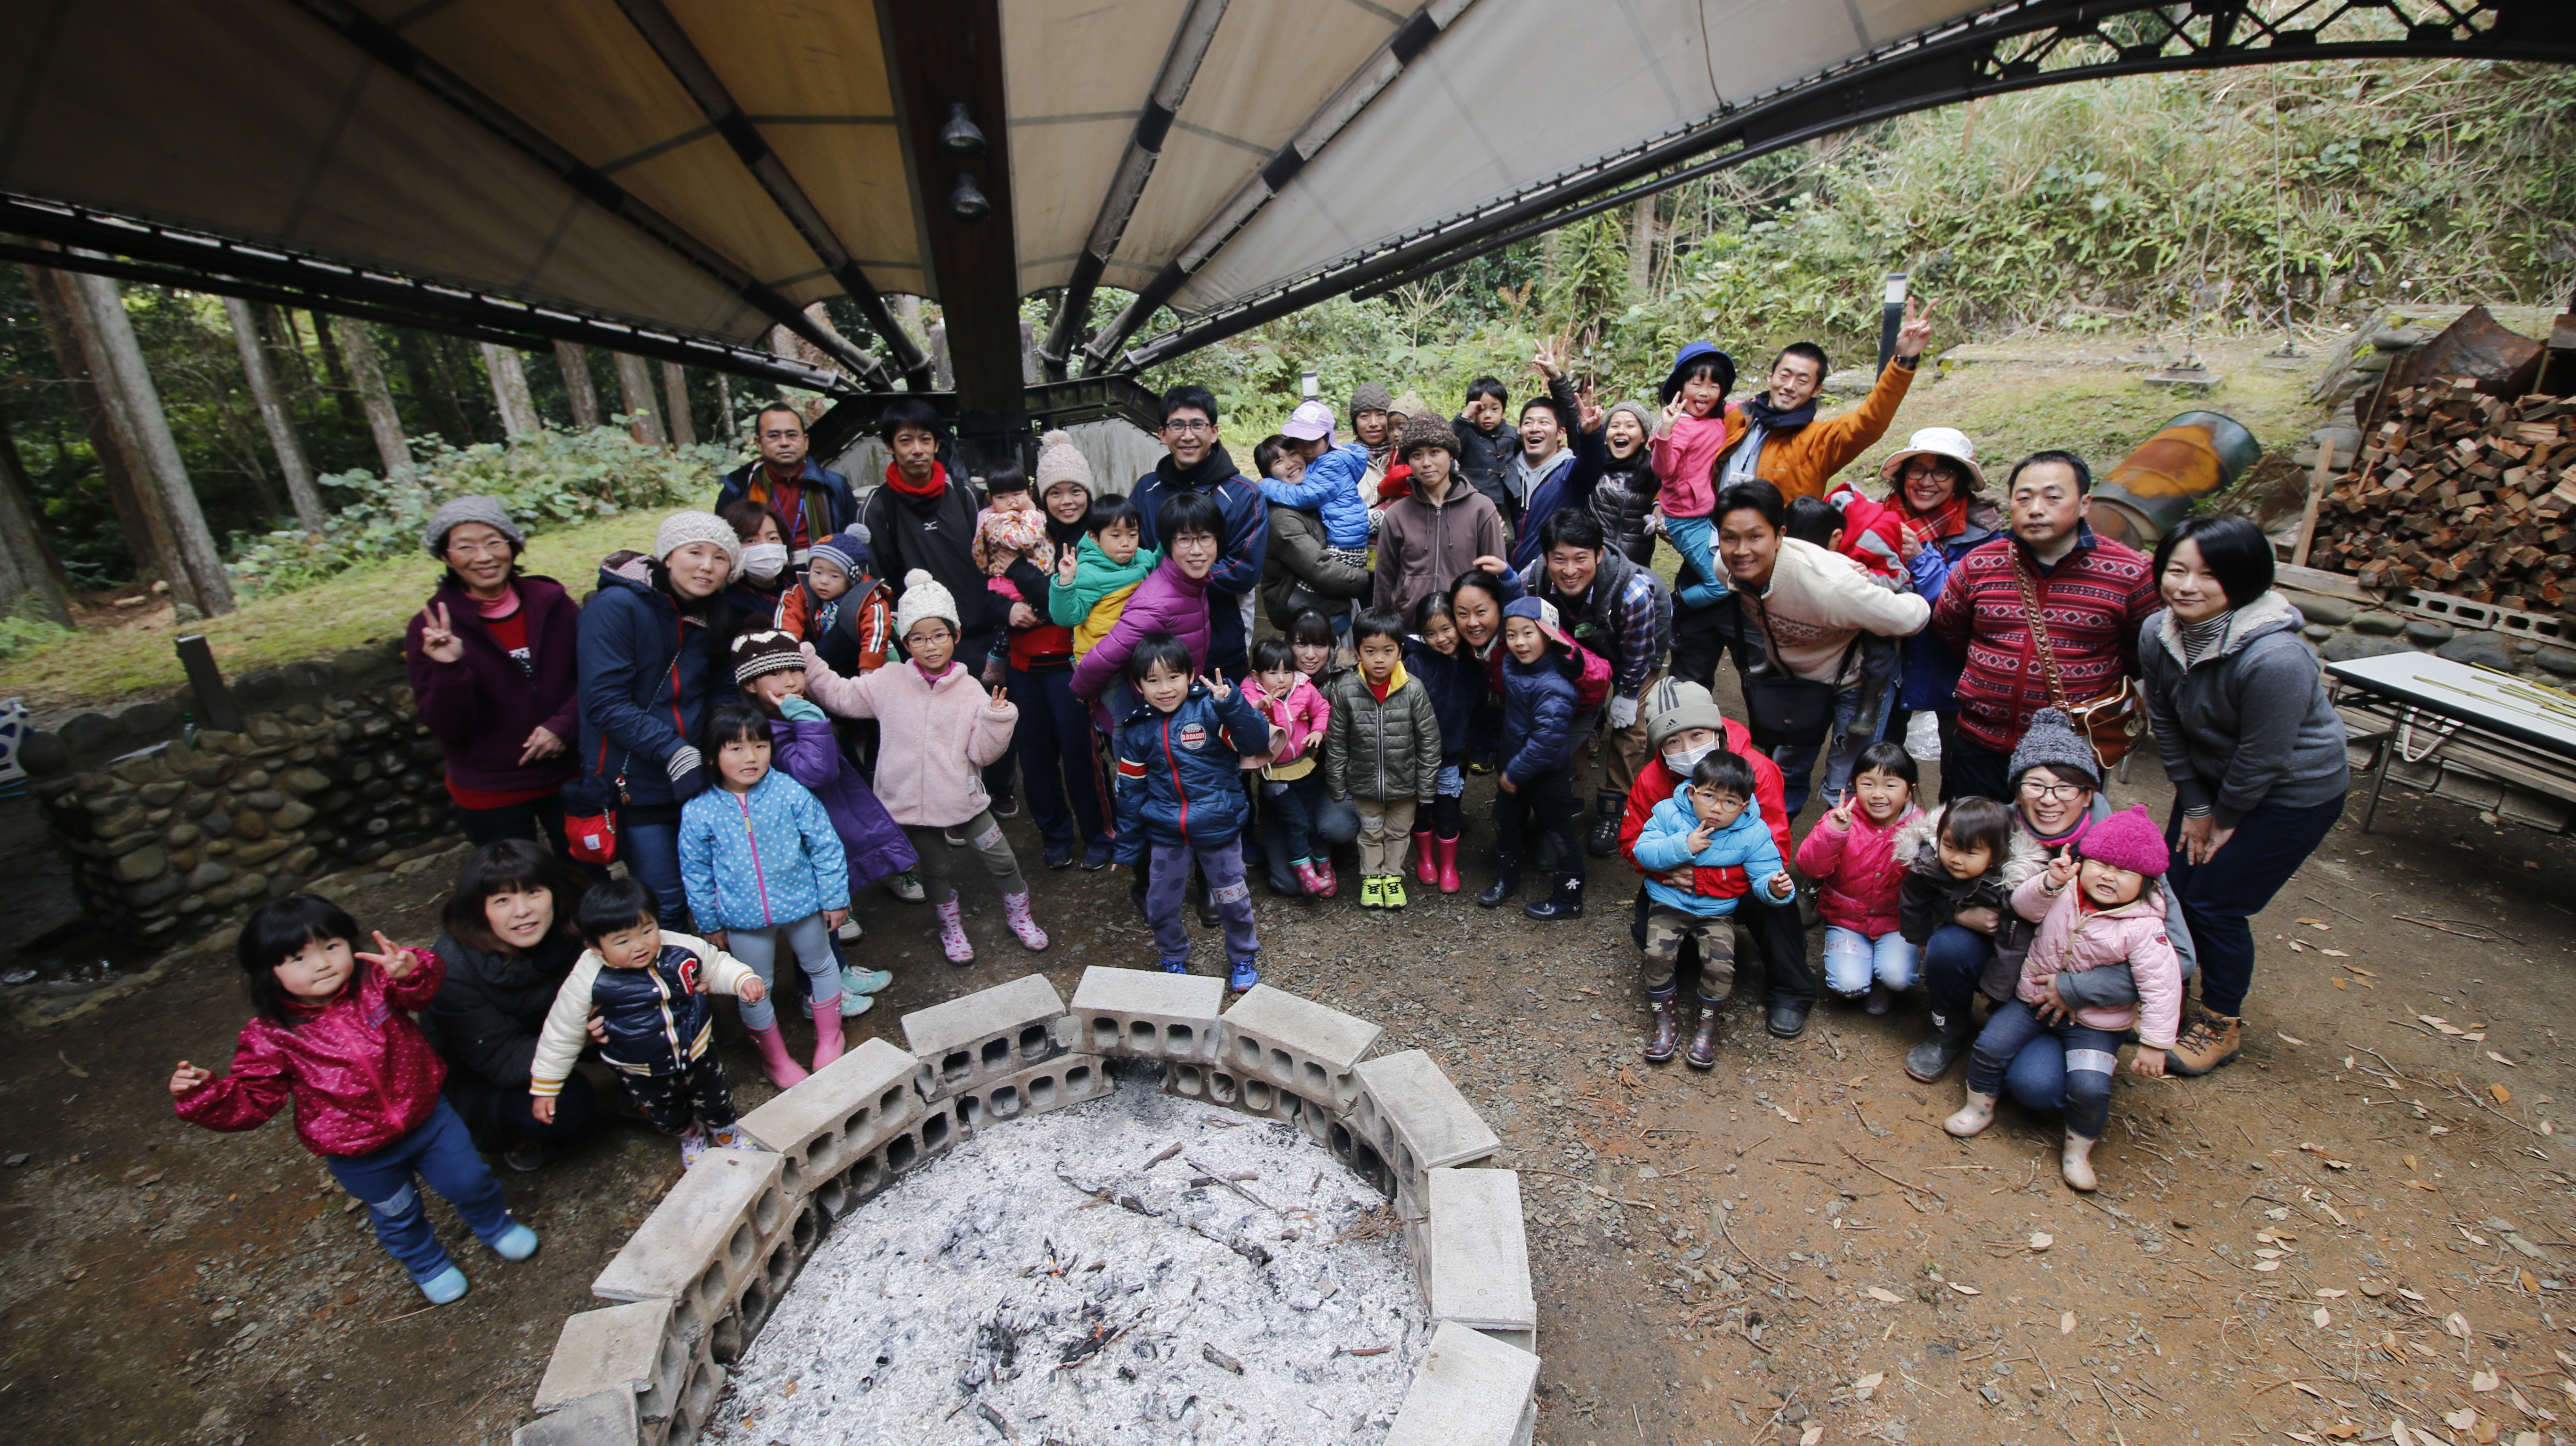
2197,455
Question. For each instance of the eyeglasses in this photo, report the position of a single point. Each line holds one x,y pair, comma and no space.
2067,792
495,548
1187,428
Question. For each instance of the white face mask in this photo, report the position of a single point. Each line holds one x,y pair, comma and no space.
1683,762
764,560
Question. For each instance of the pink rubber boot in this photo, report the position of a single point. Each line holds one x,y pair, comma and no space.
827,1031
1426,857
1015,910
775,1061
952,931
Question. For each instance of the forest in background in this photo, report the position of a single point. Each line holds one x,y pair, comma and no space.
2128,207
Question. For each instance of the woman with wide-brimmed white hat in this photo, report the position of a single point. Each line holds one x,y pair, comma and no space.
1937,489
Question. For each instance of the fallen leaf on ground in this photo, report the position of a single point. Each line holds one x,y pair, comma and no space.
2316,923
2502,1095
1881,1293
2322,1317
76,1070
2066,1324
2458,1325
2298,948
1812,1435
2463,1419
1866,1384
1784,1114
2267,1266
2500,1059
2287,1040
2485,1381
2332,1294
1965,1289
2041,1240
2334,953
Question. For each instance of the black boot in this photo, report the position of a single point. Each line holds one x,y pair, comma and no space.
1507,880
1941,1048
1565,903
1606,816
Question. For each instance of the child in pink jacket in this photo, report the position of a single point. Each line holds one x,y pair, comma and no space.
1851,854
1292,780
2103,911
937,732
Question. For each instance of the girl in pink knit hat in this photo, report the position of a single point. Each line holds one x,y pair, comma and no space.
2094,914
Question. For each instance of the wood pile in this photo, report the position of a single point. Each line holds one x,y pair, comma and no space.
2463,494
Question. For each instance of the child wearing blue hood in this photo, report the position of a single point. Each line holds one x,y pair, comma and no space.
1712,826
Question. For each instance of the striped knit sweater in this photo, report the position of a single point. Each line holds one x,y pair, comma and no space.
2093,600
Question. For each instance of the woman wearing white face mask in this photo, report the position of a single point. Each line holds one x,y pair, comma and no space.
765,575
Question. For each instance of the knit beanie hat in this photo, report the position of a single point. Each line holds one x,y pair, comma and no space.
765,650
1060,461
2128,840
1371,397
922,598
1675,705
682,528
2052,742
457,511
1427,429
847,551
1646,417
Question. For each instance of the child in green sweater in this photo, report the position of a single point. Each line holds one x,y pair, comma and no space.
1092,584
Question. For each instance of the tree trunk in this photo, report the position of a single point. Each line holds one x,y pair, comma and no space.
434,401
31,577
142,432
344,395
1641,248
272,413
725,428
635,388
577,387
675,390
138,521
510,392
382,419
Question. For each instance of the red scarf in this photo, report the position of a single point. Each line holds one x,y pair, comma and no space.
937,484
1947,520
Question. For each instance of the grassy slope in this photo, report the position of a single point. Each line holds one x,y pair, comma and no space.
105,666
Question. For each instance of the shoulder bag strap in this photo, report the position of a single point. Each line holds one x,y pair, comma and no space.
2038,631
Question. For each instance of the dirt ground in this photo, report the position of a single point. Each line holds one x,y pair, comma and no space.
2365,1220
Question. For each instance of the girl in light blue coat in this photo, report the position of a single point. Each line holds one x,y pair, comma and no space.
761,864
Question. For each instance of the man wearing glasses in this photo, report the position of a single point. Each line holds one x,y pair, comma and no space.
1195,461
816,501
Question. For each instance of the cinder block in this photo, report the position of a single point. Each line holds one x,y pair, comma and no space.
1472,1255
1069,1079
602,1418
1146,1014
837,1114
897,1155
616,1349
1215,1084
1418,1121
1471,1390
708,1243
1295,1044
980,1037
697,1403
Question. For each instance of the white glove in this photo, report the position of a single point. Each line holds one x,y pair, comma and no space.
1623,712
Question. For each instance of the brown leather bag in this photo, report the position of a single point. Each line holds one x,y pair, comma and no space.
2114,722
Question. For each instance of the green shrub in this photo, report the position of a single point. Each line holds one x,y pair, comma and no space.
27,632
549,480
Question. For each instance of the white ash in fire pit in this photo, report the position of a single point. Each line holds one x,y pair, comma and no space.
1137,1269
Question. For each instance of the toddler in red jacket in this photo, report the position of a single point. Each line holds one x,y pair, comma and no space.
332,1032
1859,871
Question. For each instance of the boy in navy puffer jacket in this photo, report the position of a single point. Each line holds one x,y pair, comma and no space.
1180,791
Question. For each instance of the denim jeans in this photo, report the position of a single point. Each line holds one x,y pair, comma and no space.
1853,960
1851,733
1169,884
2218,897
650,845
1294,801
2092,1056
2037,1076
810,942
1954,960
440,1151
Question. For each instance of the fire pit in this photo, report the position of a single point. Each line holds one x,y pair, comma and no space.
1290,1241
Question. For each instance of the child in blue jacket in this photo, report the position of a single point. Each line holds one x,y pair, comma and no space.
1712,826
1536,782
762,865
1330,487
1180,791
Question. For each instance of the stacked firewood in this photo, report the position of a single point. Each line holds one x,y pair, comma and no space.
2463,494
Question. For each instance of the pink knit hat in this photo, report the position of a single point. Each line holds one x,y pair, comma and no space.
2129,840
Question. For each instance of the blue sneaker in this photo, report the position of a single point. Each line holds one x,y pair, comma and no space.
1176,966
1099,854
1058,856
448,1286
1243,977
516,1243
862,981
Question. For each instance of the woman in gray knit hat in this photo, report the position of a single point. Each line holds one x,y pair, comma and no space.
491,661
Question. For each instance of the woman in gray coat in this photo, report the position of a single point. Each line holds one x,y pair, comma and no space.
2254,750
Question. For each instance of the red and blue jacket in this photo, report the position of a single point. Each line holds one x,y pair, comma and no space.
1180,774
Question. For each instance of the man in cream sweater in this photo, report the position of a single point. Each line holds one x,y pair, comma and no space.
1819,616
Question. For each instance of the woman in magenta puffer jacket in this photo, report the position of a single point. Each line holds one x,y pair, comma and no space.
1172,599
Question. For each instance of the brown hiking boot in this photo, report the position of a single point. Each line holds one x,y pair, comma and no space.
1703,1045
1666,1036
2206,1042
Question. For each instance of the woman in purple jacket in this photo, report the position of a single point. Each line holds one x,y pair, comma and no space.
491,661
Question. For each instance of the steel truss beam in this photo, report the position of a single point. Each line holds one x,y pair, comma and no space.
199,261
2019,45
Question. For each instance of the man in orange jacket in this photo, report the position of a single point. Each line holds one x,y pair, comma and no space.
1786,445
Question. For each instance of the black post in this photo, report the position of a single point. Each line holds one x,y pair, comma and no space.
215,706
1891,318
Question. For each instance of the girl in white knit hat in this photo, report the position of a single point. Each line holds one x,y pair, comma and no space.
937,732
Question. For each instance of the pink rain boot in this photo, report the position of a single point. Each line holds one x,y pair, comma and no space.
1426,858
1309,880
1324,876
781,1068
827,1031
952,931
1448,865
1015,910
